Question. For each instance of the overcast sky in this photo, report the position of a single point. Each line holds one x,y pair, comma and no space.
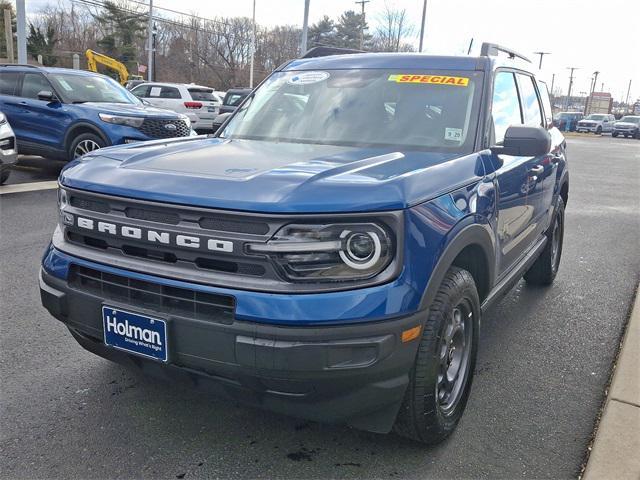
588,34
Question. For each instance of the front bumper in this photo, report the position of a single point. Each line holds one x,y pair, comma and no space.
354,374
587,128
8,147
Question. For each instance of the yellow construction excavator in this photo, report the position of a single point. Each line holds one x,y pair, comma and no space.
95,58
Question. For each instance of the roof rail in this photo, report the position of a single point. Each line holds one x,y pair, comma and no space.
327,51
19,65
492,49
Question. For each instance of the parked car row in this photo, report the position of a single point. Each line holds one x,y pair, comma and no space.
598,123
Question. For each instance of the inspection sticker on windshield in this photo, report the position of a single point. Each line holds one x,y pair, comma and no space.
453,134
433,79
306,78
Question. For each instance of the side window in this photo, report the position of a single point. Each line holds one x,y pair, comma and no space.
546,103
505,108
142,91
530,103
9,83
33,84
169,92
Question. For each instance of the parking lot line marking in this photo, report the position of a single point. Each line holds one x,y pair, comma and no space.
28,187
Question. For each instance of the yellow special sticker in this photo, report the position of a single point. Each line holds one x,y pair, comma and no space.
432,79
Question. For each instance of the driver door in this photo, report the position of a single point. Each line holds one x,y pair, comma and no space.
41,122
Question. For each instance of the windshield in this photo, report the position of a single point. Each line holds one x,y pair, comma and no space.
424,110
563,115
90,88
595,117
630,119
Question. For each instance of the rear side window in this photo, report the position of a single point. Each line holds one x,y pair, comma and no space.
201,94
33,84
9,83
164,92
505,109
530,103
546,103
233,99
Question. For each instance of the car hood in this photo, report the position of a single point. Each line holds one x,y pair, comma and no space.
271,177
625,124
136,110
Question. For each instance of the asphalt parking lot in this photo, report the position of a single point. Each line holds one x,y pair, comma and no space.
544,362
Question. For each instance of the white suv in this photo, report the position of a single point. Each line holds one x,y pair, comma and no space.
200,104
596,123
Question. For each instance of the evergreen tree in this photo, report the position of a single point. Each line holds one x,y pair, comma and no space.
42,43
322,33
349,28
124,28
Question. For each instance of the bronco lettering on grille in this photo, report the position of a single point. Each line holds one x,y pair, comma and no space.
156,236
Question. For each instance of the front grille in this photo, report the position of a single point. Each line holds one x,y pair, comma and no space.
156,128
153,296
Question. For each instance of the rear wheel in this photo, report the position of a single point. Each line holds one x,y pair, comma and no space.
85,143
545,269
440,379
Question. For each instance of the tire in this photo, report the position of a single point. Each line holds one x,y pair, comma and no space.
4,176
545,268
599,131
84,143
615,134
428,413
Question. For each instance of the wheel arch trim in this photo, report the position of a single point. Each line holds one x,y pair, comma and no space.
470,235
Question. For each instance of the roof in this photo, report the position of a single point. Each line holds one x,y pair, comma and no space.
37,68
174,84
389,60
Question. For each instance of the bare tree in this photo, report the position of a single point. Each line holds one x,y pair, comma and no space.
392,31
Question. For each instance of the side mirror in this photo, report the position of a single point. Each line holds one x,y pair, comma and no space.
47,96
523,141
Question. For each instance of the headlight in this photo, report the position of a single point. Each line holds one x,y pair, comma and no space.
3,119
135,122
329,252
63,200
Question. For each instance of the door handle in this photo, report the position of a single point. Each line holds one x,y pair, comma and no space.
537,170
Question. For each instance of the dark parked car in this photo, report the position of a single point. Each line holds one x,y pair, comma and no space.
64,113
330,252
567,121
8,150
233,98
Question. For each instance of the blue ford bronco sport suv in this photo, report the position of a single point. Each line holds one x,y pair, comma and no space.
329,253
63,113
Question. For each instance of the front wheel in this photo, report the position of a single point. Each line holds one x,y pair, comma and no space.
545,268
440,379
4,176
615,134
84,143
599,131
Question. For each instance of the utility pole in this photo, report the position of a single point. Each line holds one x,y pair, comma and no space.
553,80
626,102
21,31
362,3
602,87
253,44
424,16
542,54
305,28
570,85
8,30
150,65
595,79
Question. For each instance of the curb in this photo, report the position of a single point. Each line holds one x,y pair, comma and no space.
617,441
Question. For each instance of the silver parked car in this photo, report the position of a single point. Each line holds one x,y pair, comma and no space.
8,149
